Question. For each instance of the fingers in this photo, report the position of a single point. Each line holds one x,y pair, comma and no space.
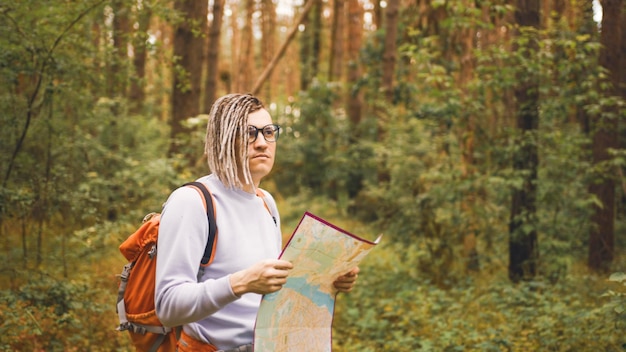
277,274
269,276
280,264
346,282
263,277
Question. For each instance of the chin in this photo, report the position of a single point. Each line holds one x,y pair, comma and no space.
257,175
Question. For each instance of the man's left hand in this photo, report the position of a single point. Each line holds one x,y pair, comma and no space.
346,282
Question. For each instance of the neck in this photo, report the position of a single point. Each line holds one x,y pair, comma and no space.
249,188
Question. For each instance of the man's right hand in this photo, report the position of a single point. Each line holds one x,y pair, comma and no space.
263,277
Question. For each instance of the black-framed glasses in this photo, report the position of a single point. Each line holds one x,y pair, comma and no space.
270,133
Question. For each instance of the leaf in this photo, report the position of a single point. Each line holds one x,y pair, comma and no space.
618,277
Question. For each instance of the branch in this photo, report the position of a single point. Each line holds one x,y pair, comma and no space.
31,100
270,67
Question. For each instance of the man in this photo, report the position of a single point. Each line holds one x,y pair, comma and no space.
218,311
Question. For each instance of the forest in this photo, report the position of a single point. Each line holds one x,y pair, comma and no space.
483,138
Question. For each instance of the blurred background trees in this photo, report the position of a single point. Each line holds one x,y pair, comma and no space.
484,138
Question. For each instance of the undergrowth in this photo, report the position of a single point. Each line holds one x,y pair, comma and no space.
395,306
395,309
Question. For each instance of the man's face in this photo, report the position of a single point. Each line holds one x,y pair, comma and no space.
260,152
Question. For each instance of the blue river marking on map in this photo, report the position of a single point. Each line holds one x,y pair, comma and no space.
312,292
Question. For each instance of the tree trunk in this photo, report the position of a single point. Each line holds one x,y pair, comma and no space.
389,55
523,249
306,51
377,13
604,128
245,52
316,43
137,84
188,58
467,133
622,59
118,73
587,27
268,26
355,34
231,79
213,54
281,51
337,41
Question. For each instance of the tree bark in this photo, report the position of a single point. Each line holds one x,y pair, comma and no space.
337,41
316,44
245,52
118,67
377,14
523,249
188,58
281,51
604,128
268,45
589,28
355,34
389,55
467,132
307,45
213,54
137,83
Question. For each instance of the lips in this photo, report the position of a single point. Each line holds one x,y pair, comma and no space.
261,156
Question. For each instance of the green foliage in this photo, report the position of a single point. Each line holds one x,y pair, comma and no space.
53,314
428,169
72,161
318,149
394,307
616,307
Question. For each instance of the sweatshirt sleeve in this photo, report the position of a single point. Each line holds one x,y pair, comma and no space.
183,234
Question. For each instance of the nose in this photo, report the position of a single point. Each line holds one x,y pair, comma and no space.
260,140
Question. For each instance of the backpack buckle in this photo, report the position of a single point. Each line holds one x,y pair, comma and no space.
148,217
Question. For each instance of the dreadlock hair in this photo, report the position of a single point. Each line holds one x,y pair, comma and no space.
226,141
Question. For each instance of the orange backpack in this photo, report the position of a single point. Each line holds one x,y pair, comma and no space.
135,300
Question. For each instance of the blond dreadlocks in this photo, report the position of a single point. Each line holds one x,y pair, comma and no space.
226,138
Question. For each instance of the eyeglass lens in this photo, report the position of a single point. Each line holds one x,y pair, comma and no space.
270,132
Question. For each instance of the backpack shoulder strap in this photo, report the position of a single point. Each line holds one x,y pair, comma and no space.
209,250
261,195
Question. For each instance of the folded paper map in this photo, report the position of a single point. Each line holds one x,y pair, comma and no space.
299,317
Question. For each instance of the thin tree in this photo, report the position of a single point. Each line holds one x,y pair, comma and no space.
137,93
118,62
316,43
523,250
622,65
310,45
268,46
354,99
588,28
377,14
604,128
213,54
337,39
188,52
281,51
467,143
244,61
39,80
389,54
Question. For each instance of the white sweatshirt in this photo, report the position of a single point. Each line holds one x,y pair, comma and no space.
246,234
